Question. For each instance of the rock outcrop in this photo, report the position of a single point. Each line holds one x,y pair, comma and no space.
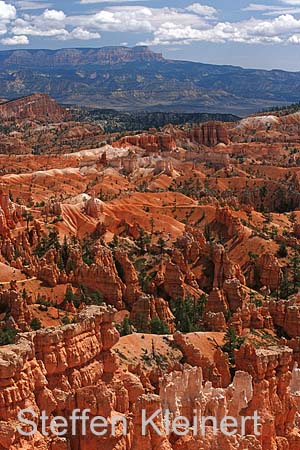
147,308
36,106
100,276
271,396
286,315
210,134
233,227
16,307
224,268
270,271
149,142
214,366
10,213
57,370
94,207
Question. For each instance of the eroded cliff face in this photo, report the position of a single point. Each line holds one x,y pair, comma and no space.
57,370
270,369
36,106
210,134
150,142
286,314
10,214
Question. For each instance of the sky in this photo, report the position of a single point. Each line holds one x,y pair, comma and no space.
258,34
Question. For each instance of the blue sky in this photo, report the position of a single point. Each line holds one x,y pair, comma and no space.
259,34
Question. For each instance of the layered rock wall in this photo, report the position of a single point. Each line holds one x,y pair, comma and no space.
36,106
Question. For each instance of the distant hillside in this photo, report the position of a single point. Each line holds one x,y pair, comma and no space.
282,110
139,79
113,121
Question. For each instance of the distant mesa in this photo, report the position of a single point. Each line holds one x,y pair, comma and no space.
77,56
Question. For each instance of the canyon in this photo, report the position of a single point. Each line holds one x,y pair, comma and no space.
149,270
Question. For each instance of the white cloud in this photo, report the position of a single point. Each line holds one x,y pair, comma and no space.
15,40
295,39
3,28
31,5
264,7
253,31
83,35
37,28
7,12
89,2
7,15
202,10
51,23
161,26
135,19
53,14
272,10
257,7
291,2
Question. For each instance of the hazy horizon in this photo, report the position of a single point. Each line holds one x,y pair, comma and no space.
152,49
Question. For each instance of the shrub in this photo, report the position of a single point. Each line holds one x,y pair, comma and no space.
158,326
232,342
7,336
282,251
35,324
125,328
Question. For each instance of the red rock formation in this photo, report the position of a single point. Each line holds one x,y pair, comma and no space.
48,270
53,208
250,316
297,230
17,307
175,278
216,302
100,276
13,145
215,367
236,294
172,279
270,271
210,134
60,369
214,321
94,207
129,277
10,213
192,244
149,403
271,397
286,315
129,165
149,142
233,227
165,166
184,393
224,268
45,369
36,106
146,308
